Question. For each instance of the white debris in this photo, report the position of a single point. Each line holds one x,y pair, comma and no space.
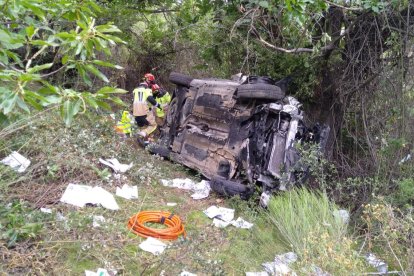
241,223
171,204
46,210
222,213
186,273
128,192
80,195
152,245
115,165
185,184
100,272
201,190
261,273
342,215
280,266
376,263
405,159
220,223
264,199
98,221
16,161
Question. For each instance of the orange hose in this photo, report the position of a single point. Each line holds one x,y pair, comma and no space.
174,226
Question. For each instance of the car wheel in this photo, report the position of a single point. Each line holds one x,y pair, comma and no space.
160,150
260,91
230,188
180,79
172,111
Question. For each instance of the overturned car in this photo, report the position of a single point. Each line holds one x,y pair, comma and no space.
237,133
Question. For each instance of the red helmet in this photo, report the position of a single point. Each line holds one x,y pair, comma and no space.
155,87
149,77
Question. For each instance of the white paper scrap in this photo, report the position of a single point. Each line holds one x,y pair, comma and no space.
220,223
201,190
185,184
115,165
128,192
280,265
241,223
80,195
46,210
16,161
98,221
222,213
261,273
152,245
186,273
100,272
171,204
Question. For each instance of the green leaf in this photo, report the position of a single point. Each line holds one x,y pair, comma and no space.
22,105
30,30
103,105
108,29
8,104
111,90
38,68
264,4
65,59
89,99
96,72
69,110
103,63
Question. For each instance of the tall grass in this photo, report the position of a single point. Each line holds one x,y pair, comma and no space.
305,222
300,212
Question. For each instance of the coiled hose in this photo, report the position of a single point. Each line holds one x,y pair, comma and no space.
174,226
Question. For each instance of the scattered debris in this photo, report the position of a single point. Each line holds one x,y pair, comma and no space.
201,189
264,199
16,161
222,217
98,221
261,273
317,271
115,165
222,213
128,192
46,210
171,204
185,184
343,215
376,263
220,223
186,273
100,272
280,266
241,223
153,245
405,159
80,195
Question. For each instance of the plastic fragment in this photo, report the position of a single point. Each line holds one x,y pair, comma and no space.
46,210
153,246
116,165
16,161
241,223
98,221
261,273
186,273
376,263
127,192
201,189
343,215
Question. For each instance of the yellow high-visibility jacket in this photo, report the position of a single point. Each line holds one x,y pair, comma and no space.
140,106
124,124
163,101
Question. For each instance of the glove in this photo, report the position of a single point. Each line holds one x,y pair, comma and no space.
158,106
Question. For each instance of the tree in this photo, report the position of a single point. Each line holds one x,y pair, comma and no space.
39,39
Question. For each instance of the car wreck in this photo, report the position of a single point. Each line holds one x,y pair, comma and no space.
238,133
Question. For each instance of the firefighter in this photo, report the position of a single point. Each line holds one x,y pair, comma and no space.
143,116
163,98
149,79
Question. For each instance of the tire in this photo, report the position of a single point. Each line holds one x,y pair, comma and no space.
160,150
260,91
172,112
230,188
180,79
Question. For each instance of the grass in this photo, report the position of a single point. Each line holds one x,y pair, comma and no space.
61,156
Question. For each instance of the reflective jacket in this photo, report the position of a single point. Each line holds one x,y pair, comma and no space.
141,95
124,125
164,102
